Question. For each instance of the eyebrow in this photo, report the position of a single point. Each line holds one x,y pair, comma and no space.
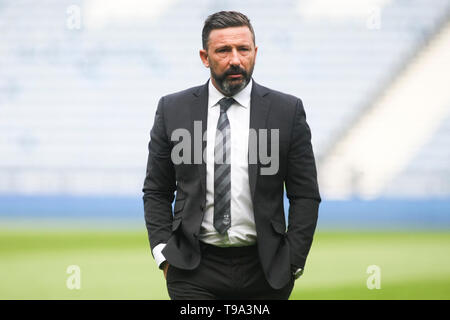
229,47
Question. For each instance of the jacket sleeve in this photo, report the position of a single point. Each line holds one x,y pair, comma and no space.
160,183
302,190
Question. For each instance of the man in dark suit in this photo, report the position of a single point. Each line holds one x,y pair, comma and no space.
226,237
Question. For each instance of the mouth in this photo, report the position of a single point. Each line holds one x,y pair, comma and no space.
235,76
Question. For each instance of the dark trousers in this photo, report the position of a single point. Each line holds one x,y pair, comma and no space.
224,273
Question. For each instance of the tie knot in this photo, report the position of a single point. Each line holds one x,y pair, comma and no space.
225,103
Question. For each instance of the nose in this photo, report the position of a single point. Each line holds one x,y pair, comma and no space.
234,59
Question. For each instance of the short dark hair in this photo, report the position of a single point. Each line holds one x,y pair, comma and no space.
222,20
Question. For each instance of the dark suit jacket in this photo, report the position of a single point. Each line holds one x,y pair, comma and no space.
280,249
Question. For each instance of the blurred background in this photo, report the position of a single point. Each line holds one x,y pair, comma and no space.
79,85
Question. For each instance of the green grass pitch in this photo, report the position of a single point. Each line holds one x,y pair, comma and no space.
118,265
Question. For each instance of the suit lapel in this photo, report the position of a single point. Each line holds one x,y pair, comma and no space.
199,112
259,110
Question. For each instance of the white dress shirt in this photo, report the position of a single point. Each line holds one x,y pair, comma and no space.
242,231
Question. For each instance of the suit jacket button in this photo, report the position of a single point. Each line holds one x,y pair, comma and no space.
201,207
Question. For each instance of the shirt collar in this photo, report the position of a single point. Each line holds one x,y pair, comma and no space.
242,97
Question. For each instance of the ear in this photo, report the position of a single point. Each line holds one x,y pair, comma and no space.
204,57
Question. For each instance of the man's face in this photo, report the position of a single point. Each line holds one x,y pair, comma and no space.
231,57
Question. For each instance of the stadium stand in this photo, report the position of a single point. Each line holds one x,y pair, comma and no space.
77,104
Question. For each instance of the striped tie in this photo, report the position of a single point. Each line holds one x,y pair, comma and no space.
222,169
